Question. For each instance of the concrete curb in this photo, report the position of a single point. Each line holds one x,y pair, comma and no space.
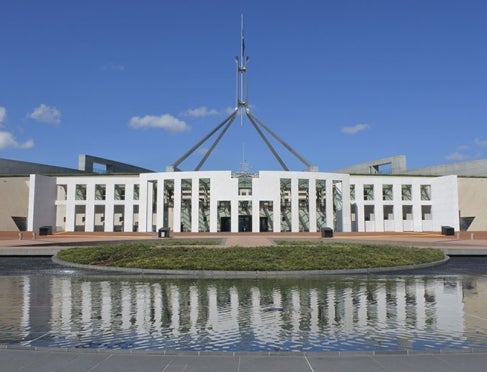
197,353
217,274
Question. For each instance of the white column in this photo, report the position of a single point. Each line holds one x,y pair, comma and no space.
70,206
234,214
312,204
294,204
213,213
329,203
177,205
195,204
346,221
255,214
160,203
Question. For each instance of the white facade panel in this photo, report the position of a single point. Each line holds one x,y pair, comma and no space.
267,201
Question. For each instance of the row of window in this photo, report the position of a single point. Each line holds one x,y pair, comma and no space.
368,192
100,192
387,192
388,212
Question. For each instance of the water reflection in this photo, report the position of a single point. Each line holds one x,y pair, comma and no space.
364,313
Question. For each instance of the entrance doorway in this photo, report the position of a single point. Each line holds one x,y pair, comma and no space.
225,224
245,223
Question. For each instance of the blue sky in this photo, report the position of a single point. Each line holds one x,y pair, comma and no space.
341,81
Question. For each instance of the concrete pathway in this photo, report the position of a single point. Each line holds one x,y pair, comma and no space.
247,241
38,360
28,244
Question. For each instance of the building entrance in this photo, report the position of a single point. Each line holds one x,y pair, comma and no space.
225,224
245,223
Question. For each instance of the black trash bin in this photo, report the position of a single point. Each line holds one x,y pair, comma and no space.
45,230
163,232
447,230
327,232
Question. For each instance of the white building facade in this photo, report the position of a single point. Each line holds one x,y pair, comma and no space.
221,201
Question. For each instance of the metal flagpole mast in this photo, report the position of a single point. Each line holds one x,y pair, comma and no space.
241,73
241,92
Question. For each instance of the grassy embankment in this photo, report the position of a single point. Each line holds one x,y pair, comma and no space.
204,255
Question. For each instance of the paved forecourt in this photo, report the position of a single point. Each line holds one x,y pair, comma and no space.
18,359
31,244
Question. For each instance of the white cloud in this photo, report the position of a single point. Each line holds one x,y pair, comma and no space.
200,112
46,114
456,156
3,115
355,129
114,67
7,140
480,143
165,121
463,148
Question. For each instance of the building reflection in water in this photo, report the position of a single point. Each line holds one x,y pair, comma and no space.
363,313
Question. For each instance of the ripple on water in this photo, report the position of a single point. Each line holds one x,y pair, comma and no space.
332,314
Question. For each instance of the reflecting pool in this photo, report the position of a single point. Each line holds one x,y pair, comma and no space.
43,304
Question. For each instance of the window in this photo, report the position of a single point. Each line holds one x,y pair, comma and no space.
285,193
244,185
426,212
119,192
388,212
62,193
369,213
352,192
406,192
136,192
100,192
425,192
407,212
80,192
387,192
303,193
368,192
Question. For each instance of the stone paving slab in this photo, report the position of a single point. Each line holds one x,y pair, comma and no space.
116,361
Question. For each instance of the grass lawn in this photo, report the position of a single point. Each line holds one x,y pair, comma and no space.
204,255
